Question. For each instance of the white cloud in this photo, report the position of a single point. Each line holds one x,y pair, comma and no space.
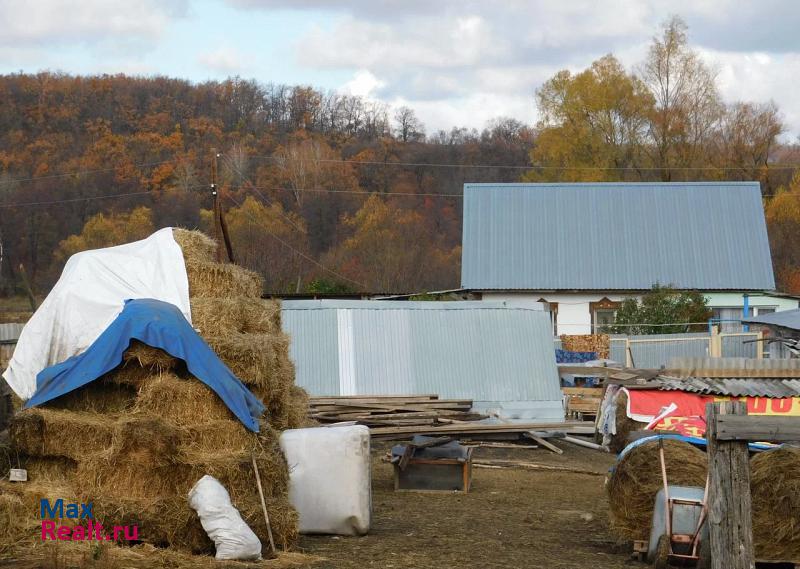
48,22
363,84
224,60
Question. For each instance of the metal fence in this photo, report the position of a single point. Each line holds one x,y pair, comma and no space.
655,351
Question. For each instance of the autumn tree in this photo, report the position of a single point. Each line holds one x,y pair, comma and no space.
408,128
592,124
662,310
391,249
106,230
783,222
688,106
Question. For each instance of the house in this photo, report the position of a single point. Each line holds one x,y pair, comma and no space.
581,249
499,356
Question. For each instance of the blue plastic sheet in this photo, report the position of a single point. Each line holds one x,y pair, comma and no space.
160,325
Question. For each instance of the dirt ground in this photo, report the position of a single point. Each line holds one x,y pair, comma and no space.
510,518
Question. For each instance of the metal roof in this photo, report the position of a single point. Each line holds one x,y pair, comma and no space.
486,351
9,332
784,319
733,387
706,236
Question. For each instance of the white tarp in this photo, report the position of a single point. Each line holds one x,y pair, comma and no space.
90,293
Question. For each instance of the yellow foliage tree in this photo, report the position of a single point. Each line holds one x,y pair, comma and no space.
106,230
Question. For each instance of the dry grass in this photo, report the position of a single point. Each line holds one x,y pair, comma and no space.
215,317
41,431
149,358
181,401
196,245
100,396
633,484
298,409
624,424
775,488
216,280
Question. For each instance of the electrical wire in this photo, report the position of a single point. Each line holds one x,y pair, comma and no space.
80,172
71,200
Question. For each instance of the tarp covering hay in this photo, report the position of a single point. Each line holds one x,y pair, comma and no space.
636,478
775,489
136,440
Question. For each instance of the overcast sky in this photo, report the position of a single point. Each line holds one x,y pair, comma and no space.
455,62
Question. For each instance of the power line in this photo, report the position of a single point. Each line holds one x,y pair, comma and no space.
289,246
80,172
70,200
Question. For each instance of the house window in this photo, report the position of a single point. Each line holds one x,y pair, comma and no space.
728,318
604,313
761,310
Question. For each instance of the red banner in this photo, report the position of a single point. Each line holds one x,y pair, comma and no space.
685,412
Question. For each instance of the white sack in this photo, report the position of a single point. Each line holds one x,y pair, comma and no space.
232,537
329,478
90,293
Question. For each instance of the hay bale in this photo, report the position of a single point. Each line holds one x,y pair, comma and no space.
775,488
636,478
49,469
41,431
215,317
215,436
282,517
624,424
196,245
149,358
298,409
181,401
17,525
217,280
99,396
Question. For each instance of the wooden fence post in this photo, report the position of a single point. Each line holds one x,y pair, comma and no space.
628,353
729,511
715,343
760,345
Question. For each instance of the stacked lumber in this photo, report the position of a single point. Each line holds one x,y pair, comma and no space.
392,410
598,343
582,401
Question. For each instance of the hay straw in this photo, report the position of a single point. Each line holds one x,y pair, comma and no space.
181,401
224,316
636,478
150,358
624,424
49,470
216,436
217,280
53,432
298,409
261,361
775,488
282,518
99,396
196,246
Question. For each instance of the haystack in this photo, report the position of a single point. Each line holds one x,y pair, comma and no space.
636,478
136,440
775,489
624,425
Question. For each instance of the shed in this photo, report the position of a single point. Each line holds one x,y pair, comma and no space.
499,355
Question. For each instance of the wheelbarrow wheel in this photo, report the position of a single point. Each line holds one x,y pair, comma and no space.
661,559
704,555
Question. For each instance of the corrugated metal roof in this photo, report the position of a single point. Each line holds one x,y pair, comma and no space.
733,367
9,332
486,351
733,387
785,319
707,236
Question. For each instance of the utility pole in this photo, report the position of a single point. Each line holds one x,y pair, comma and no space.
220,227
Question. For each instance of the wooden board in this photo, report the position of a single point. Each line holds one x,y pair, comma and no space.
757,428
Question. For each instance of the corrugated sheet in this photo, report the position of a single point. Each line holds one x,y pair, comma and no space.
480,350
733,387
784,319
708,236
763,367
9,333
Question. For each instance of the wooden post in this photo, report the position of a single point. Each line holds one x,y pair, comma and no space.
715,343
628,353
729,510
760,345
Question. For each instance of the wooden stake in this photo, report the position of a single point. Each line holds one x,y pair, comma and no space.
263,505
730,509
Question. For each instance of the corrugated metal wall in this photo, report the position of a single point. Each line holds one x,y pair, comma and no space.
479,350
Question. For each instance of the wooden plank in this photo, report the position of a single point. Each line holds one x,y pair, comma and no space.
549,446
494,463
757,428
730,510
576,427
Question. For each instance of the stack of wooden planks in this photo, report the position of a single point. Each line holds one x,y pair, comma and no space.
583,402
392,410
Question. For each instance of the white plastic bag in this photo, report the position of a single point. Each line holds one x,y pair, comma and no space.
329,478
232,537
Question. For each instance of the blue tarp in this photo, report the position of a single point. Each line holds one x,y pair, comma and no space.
160,325
568,357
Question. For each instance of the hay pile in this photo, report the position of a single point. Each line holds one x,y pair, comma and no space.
598,343
775,489
624,425
636,478
136,440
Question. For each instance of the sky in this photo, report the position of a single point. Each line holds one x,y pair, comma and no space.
455,62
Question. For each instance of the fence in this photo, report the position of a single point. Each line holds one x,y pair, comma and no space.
655,351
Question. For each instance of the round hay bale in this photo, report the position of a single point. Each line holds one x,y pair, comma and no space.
636,478
217,280
624,424
195,245
180,401
775,489
41,431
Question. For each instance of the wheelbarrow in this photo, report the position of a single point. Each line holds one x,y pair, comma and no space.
679,532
